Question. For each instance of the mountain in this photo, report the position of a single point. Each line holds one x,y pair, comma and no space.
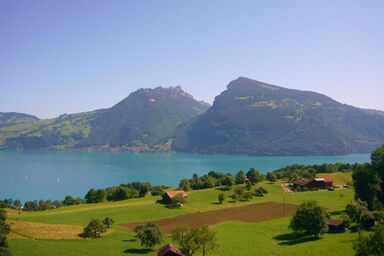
140,122
11,118
143,119
257,118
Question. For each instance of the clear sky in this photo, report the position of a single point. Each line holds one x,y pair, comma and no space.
71,56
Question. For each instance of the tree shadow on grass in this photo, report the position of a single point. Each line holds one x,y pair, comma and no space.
222,189
138,251
292,239
336,213
129,240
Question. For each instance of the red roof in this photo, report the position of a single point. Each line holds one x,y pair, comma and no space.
171,194
328,180
302,181
169,248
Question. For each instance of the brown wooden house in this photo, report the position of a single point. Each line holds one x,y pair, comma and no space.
312,184
335,226
168,196
169,250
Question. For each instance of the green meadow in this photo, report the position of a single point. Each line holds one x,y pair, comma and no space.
235,238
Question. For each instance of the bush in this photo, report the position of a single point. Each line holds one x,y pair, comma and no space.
94,229
221,198
157,191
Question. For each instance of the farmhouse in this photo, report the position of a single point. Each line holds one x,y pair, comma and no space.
168,196
169,250
312,184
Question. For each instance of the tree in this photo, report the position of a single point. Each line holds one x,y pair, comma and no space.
4,230
310,219
17,204
149,234
194,239
5,251
248,185
108,222
205,239
229,181
254,176
94,229
271,177
185,238
367,184
247,195
185,185
240,177
377,160
221,198
373,245
239,191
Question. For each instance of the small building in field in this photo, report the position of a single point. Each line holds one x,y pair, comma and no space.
169,250
335,226
168,196
312,184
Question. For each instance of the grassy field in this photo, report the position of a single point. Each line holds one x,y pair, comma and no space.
235,238
339,178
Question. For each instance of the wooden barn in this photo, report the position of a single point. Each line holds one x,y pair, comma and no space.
169,250
335,226
312,184
168,196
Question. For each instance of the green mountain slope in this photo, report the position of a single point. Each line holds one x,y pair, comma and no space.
58,133
138,123
11,118
256,118
143,119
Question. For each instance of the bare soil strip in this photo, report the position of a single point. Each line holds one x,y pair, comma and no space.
251,213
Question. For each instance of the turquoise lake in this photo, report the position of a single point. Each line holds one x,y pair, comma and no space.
53,175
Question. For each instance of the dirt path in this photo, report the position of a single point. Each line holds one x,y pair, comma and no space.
250,213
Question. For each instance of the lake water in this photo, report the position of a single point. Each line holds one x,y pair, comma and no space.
53,175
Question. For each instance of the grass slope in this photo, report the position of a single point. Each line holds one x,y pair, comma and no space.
235,238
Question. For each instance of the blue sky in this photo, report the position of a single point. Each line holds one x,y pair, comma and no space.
72,56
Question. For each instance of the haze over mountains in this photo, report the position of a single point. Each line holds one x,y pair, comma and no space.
250,117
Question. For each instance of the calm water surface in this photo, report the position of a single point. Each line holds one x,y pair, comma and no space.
53,175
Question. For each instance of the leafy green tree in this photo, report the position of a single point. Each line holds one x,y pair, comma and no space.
17,204
4,230
367,184
377,160
185,238
247,195
254,176
239,191
240,177
4,251
205,239
310,219
94,229
185,185
221,198
372,245
229,181
149,234
191,240
108,222
271,177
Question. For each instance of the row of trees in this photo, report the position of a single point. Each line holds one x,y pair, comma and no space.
43,205
215,179
295,171
123,192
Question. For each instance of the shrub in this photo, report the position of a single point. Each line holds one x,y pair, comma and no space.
94,229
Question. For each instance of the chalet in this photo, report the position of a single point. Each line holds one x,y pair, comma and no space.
312,184
168,196
169,250
335,226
